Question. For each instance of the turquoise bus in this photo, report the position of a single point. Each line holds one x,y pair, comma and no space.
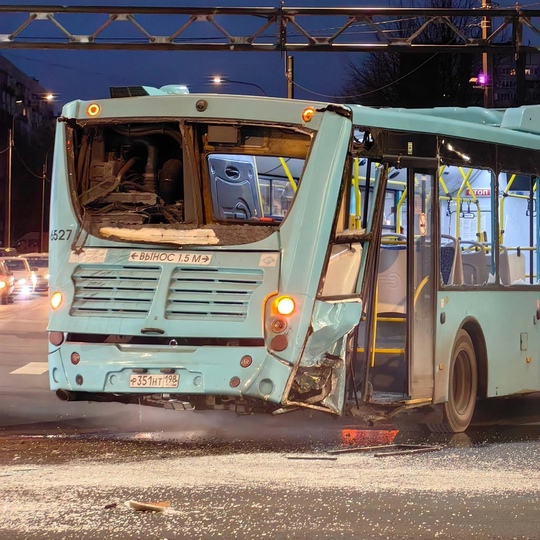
269,255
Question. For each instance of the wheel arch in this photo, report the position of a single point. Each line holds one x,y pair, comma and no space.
473,328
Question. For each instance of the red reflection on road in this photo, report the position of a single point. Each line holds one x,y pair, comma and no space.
367,437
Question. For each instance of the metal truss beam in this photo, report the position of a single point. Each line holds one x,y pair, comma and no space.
265,29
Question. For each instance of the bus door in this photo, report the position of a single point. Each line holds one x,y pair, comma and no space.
397,337
421,285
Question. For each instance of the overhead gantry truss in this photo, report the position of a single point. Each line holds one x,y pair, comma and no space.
267,29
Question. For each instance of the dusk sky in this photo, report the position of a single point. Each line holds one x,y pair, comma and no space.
89,74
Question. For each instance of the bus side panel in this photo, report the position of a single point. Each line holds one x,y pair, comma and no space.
513,353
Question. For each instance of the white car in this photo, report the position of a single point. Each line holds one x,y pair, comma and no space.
39,264
25,278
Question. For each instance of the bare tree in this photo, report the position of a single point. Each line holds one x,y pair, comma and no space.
417,79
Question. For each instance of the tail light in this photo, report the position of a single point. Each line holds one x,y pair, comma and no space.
56,338
56,299
280,312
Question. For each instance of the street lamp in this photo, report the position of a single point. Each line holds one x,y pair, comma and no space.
221,80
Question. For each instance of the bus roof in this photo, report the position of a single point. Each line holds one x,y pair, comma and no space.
519,126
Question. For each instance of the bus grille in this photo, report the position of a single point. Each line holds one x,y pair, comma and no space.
114,291
211,293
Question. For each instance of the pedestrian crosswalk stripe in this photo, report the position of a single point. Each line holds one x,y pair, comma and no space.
33,368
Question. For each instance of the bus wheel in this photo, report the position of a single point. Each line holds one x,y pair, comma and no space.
463,383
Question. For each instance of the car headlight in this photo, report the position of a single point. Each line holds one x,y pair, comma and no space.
25,291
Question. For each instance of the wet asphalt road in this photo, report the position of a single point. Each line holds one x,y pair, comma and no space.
67,469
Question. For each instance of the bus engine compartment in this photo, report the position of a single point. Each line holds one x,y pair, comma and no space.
208,180
131,175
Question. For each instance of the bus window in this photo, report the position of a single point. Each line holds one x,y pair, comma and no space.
467,224
518,256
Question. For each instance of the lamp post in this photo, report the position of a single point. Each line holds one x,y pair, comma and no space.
42,220
9,182
221,80
11,138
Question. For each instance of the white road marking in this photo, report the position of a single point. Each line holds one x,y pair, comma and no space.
33,368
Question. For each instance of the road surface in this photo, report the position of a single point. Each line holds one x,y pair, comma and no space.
67,470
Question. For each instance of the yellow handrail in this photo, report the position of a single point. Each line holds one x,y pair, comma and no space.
288,173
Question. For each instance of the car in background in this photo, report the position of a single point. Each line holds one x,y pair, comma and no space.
25,279
8,252
7,284
39,264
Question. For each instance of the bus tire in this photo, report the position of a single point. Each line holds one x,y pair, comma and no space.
457,412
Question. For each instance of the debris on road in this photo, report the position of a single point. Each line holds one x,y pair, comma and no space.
148,507
390,449
327,458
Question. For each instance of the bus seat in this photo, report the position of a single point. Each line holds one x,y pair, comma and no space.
473,256
511,266
343,268
504,266
516,264
451,263
392,292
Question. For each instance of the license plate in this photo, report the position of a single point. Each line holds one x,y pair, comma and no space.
154,381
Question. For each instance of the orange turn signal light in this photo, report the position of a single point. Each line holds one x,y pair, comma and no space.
308,113
285,305
93,109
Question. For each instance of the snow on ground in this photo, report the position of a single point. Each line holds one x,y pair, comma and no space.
69,498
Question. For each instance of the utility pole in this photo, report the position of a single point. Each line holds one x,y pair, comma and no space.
487,59
520,58
290,77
